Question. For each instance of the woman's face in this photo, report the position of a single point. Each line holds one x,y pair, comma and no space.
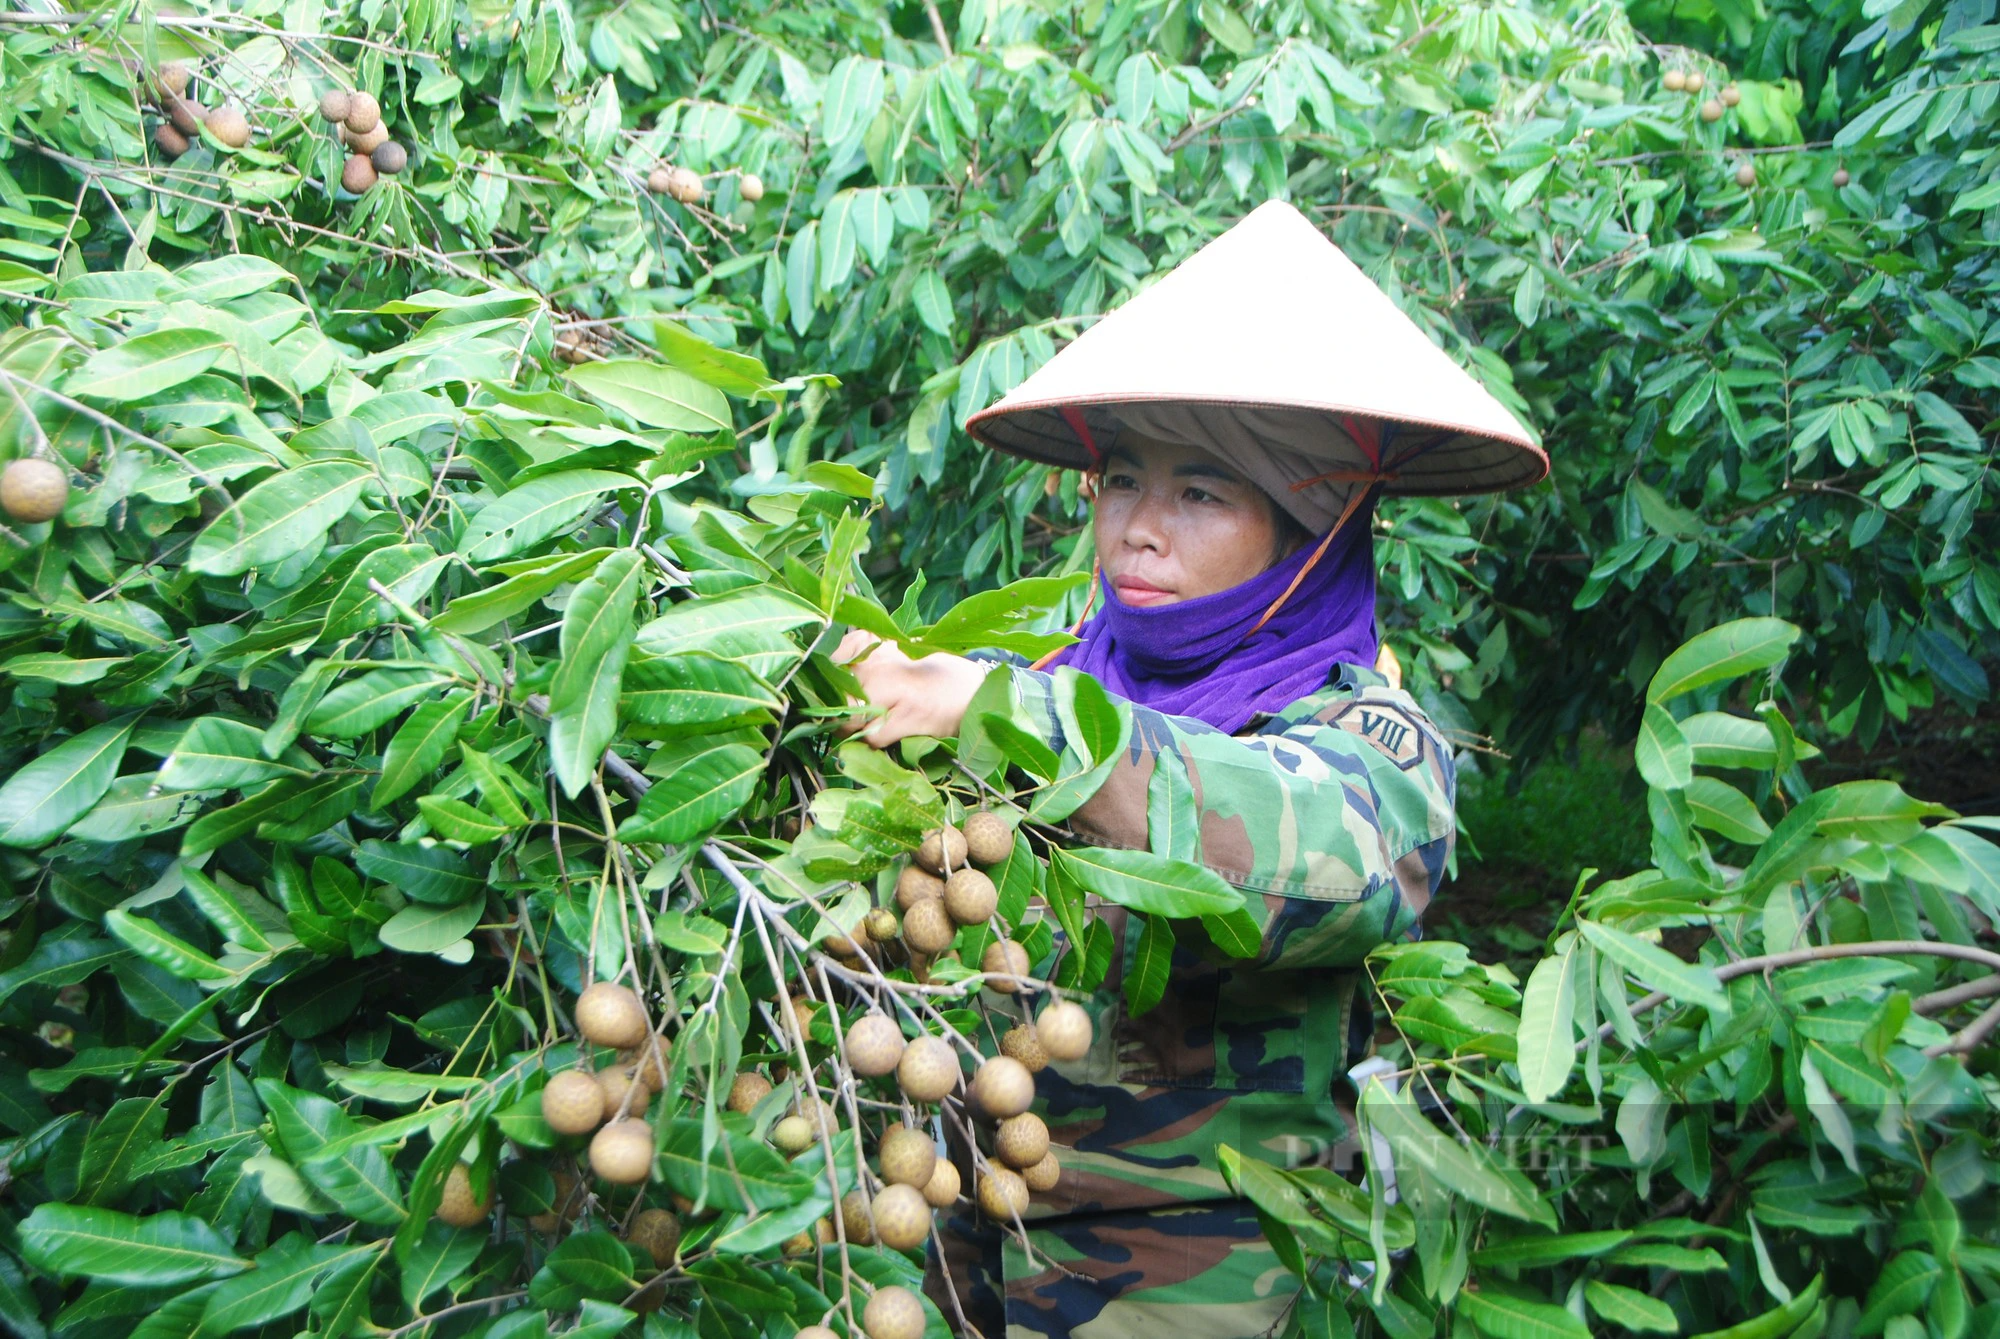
1174,523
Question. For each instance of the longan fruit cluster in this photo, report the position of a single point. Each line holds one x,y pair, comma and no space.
357,118
611,1101
184,119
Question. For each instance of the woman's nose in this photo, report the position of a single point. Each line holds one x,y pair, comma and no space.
1146,523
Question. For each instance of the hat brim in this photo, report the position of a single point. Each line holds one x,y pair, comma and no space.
1430,459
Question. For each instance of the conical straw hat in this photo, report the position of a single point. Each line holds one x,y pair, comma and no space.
1272,331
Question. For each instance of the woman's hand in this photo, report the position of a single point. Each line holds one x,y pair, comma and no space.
917,697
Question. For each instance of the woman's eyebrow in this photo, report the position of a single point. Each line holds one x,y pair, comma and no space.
1197,469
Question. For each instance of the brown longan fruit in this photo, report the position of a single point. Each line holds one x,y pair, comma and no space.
874,1045
1003,1087
1695,79
173,79
928,927
941,1191
390,158
460,1207
1064,1030
970,897
894,1313
658,1233
750,186
1711,111
942,850
1002,1193
1730,95
988,839
1021,1042
747,1090
366,141
1675,80
358,175
617,1083
363,112
928,1069
573,1102
902,1218
810,1331
854,1219
335,103
1746,174
793,1135
229,125
1043,1175
608,1014
798,1012
659,179
648,1063
169,141
1840,177
622,1152
1021,1141
841,944
33,489
800,1245
685,185
908,1156
1005,962
186,114
915,884
881,925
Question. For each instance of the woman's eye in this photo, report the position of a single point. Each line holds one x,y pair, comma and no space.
1201,495
1120,481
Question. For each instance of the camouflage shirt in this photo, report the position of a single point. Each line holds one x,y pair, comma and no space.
1338,812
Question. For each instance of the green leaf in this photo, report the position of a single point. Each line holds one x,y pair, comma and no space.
1690,983
217,753
658,397
281,1284
427,873
1146,973
1725,810
932,301
481,609
45,796
1546,1041
1661,752
163,950
736,373
1777,1322
455,820
426,929
1469,1171
145,365
1150,883
693,690
539,508
112,1247
1507,1317
749,1175
419,746
1630,1308
1742,647
583,698
279,517
702,791
373,700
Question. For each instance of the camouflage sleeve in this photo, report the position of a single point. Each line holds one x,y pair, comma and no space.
1338,811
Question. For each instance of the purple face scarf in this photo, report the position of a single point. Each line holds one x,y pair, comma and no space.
1193,659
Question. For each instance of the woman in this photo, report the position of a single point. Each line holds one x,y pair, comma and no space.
1241,416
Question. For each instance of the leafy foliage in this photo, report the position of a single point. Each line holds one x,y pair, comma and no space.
438,624
1758,345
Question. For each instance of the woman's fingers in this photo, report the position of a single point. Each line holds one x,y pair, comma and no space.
854,645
